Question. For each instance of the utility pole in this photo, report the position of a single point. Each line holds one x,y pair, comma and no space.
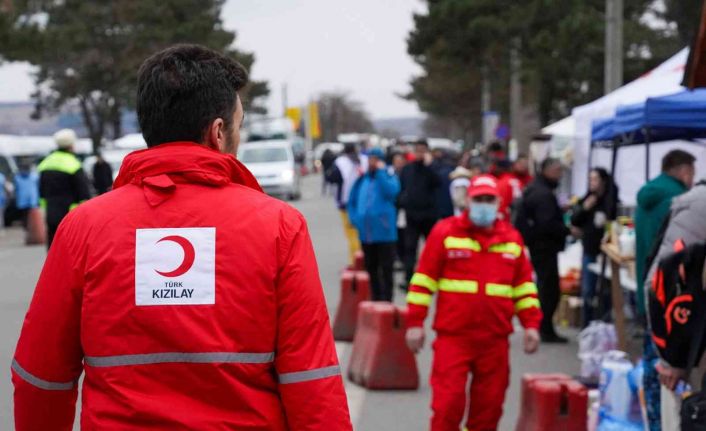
485,103
516,97
613,45
285,102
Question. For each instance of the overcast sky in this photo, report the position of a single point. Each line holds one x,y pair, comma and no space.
312,46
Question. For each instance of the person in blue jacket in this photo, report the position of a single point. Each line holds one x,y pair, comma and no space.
26,190
371,207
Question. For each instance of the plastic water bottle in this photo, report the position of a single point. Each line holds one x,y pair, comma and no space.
616,393
619,386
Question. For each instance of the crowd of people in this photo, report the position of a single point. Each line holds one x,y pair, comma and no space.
392,206
390,200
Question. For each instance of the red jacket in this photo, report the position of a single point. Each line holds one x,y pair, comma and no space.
483,278
190,299
510,188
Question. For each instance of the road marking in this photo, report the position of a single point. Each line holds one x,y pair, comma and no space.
354,393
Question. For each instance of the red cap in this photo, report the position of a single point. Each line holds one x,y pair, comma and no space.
483,185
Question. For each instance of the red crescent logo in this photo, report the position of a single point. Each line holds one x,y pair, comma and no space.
189,256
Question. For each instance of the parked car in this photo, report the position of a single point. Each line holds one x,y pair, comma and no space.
273,164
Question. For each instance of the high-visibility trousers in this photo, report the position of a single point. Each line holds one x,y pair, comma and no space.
488,363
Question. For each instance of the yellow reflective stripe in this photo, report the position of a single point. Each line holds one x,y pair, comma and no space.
418,298
423,280
528,288
462,243
458,286
43,203
60,161
526,303
502,290
75,205
512,248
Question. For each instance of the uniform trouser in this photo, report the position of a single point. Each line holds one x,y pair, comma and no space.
414,230
351,236
379,261
488,363
546,265
51,231
588,288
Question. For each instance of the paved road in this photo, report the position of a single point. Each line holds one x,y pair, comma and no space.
370,411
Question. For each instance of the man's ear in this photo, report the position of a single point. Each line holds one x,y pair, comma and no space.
216,135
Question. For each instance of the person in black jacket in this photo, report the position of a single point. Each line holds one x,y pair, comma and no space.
443,167
588,222
102,175
418,199
62,183
540,220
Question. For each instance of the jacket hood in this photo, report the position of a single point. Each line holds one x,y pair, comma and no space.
159,169
657,190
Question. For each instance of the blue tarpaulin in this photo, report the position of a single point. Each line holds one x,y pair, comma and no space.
629,118
602,129
676,116
685,110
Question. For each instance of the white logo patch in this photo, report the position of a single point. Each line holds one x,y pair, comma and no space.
175,266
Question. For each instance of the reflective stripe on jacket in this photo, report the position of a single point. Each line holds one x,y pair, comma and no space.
482,278
62,185
189,299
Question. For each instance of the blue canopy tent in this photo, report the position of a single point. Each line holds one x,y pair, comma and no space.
602,135
676,116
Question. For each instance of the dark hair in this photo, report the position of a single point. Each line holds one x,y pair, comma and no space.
676,158
422,142
603,174
610,194
183,89
349,148
548,162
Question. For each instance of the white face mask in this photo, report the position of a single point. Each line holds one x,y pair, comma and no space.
483,214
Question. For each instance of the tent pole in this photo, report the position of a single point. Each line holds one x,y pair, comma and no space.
590,162
647,154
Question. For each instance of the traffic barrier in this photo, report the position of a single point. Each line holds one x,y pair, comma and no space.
358,262
355,288
36,229
380,358
552,402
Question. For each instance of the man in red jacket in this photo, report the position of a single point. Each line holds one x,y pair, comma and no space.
477,264
189,298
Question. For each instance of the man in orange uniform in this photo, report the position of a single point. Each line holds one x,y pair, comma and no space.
477,263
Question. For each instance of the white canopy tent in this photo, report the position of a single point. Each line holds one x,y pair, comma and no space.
664,79
565,128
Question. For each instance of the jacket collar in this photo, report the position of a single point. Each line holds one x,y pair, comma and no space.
158,169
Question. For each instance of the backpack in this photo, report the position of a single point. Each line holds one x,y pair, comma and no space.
677,305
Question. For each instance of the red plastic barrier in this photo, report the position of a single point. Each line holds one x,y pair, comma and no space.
552,402
380,358
36,229
355,288
358,262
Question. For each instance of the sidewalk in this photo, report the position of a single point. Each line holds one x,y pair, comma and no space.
19,271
